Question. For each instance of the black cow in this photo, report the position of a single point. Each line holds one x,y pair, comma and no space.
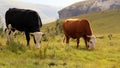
24,20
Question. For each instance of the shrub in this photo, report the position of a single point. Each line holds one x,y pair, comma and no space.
45,38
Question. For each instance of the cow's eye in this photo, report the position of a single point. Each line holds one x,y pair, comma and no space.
90,41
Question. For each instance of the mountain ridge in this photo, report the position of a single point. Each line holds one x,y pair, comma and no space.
104,22
88,6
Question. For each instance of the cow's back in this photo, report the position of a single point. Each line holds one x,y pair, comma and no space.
23,20
76,27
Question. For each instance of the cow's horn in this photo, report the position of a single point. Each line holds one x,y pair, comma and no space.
89,36
100,37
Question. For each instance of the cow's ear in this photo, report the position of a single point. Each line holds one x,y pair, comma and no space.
42,33
93,36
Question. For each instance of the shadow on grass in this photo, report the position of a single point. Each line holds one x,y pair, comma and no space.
82,48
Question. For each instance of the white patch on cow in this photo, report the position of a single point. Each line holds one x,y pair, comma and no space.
9,26
92,42
69,20
72,19
38,38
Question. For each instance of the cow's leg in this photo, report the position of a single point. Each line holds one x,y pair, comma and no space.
34,39
67,40
27,37
77,42
85,39
8,32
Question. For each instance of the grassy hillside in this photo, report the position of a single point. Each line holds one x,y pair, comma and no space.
104,22
101,22
54,54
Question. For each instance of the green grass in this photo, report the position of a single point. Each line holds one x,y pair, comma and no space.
105,55
53,54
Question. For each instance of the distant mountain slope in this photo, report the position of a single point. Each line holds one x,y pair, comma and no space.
47,13
101,22
88,6
104,22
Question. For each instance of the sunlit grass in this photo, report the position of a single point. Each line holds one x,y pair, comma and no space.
105,55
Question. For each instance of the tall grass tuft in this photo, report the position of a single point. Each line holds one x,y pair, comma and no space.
17,48
43,52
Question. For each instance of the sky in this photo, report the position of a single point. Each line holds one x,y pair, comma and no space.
57,3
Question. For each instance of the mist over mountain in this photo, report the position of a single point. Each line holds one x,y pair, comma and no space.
47,13
88,6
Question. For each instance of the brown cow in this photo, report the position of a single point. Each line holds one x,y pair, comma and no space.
77,28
